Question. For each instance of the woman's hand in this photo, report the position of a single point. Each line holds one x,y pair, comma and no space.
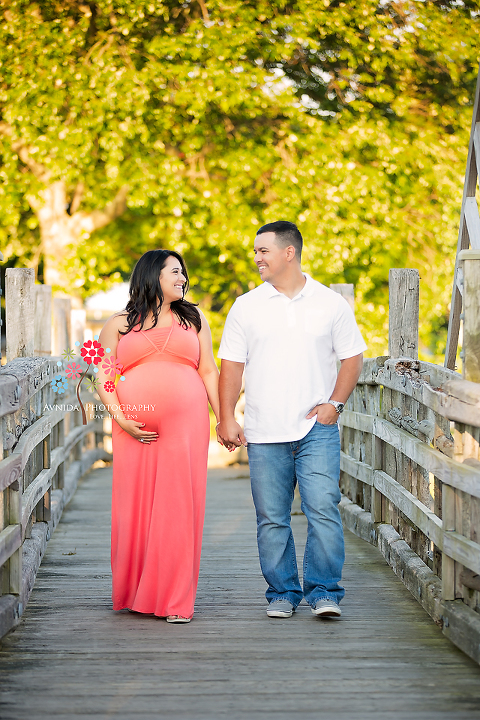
134,428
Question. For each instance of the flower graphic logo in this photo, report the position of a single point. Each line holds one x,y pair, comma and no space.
59,384
73,371
68,354
92,384
109,386
92,351
111,366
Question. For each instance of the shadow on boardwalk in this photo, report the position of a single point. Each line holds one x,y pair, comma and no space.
73,657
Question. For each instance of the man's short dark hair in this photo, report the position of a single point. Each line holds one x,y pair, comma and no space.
286,233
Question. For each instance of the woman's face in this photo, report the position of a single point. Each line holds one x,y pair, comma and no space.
172,280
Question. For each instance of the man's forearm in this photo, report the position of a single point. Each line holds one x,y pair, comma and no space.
347,378
229,388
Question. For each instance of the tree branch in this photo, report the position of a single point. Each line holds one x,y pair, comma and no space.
23,153
76,199
203,7
89,222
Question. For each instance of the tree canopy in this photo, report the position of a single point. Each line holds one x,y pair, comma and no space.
137,124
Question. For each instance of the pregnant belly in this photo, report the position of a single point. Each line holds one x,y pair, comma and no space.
163,395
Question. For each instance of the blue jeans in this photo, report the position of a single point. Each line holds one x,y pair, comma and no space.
275,468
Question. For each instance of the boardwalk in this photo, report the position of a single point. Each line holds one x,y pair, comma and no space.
73,657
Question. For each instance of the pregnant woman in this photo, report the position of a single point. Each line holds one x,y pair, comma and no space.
160,438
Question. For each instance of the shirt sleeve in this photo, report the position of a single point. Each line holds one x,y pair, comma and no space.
347,339
234,341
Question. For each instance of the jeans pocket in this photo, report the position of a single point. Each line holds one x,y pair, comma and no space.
335,424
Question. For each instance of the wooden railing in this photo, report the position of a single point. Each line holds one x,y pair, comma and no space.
44,446
410,468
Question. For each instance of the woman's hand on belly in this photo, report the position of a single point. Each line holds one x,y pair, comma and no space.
134,428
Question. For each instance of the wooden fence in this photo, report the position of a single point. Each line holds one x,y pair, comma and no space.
410,463
44,446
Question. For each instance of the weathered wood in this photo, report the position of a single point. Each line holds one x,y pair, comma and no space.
463,476
410,506
43,320
470,579
78,319
469,191
74,656
30,374
357,469
62,307
347,291
404,289
19,312
470,261
10,540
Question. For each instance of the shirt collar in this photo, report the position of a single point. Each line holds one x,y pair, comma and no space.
306,291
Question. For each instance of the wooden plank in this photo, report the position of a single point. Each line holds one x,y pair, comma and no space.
10,541
410,506
42,483
19,312
62,307
469,190
74,656
31,375
10,471
470,260
476,144
448,396
43,320
458,475
347,291
31,437
462,550
355,468
404,288
473,226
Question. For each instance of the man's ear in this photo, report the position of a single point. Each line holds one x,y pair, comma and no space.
290,253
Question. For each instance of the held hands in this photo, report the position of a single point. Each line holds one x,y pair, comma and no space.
230,434
326,414
134,428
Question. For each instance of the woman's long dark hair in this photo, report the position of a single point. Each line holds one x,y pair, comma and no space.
146,293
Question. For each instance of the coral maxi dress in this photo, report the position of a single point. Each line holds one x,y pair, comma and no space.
158,500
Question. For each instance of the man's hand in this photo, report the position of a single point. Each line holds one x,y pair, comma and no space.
231,434
326,414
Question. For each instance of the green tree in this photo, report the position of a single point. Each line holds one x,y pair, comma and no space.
188,125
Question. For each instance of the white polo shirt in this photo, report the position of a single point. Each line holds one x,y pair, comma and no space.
290,348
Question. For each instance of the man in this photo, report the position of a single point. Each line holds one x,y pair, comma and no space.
287,334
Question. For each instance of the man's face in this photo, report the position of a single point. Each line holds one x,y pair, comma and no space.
270,259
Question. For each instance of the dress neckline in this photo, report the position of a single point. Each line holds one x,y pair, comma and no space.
162,327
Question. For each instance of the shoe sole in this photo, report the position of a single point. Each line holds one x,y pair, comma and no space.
326,613
279,614
178,620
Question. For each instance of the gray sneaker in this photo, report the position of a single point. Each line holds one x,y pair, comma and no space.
280,609
326,608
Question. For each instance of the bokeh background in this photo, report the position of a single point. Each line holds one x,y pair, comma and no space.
136,124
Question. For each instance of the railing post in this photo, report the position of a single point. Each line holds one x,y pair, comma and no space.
469,261
20,312
62,307
43,320
347,291
404,294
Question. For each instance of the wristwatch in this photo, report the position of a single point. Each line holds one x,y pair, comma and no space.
339,406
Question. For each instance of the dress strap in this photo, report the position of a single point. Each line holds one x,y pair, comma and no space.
168,336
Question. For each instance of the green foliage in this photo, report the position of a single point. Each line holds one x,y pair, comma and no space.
350,118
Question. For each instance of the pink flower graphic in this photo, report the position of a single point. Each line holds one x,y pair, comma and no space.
92,351
109,386
112,366
73,371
